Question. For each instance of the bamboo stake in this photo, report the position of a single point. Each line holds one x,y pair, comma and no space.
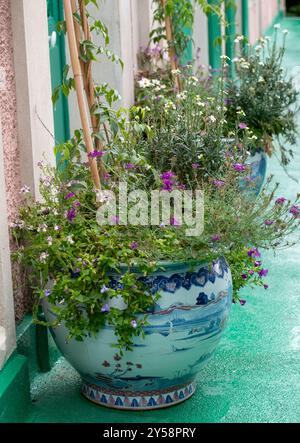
172,53
89,86
80,92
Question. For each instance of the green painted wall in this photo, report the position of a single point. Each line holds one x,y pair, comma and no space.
214,38
230,31
58,62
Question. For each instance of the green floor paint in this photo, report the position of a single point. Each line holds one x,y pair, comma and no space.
255,373
14,390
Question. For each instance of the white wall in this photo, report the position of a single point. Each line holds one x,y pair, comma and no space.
129,23
200,36
33,88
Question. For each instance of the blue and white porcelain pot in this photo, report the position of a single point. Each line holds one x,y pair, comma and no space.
184,330
254,182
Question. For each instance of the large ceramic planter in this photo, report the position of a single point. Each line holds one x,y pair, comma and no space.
254,182
184,330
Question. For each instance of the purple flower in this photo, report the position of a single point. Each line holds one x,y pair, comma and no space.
257,264
96,154
244,276
115,219
251,272
239,167
133,324
174,222
295,210
254,253
280,201
266,286
47,292
167,175
134,245
218,183
129,166
215,238
195,165
106,176
243,126
70,195
242,302
167,185
269,222
105,308
103,289
71,214
263,272
77,204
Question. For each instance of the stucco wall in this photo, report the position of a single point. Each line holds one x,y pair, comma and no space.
11,153
261,15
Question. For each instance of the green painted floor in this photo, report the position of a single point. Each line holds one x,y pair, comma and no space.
255,374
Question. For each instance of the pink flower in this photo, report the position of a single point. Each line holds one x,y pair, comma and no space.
129,166
295,211
269,222
239,167
243,126
195,165
134,245
215,238
219,183
280,201
243,302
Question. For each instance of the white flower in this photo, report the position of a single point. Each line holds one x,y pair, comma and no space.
236,60
49,240
144,83
285,31
17,224
56,228
25,190
70,239
277,26
42,228
261,80
254,137
103,196
43,257
212,118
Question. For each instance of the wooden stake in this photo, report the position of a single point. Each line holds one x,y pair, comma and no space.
172,53
79,91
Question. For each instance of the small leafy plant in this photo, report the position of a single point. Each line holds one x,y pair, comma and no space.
264,95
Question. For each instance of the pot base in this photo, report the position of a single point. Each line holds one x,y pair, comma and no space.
137,401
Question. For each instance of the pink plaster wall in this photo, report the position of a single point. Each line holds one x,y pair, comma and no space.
8,117
261,16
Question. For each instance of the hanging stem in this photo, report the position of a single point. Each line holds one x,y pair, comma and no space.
172,53
79,86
